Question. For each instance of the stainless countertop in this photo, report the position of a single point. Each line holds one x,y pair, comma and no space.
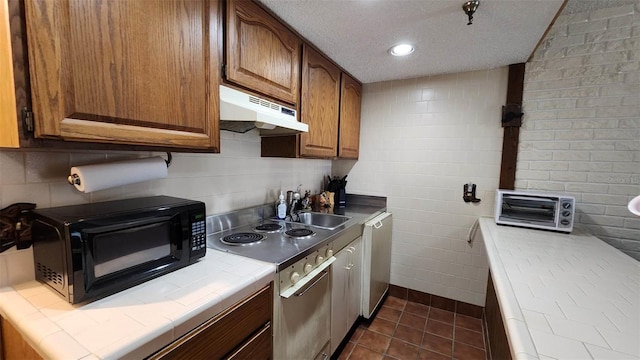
283,251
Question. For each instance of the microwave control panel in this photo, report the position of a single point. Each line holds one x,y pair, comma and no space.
198,235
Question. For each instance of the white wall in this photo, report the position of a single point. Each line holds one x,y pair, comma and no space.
581,128
421,140
234,179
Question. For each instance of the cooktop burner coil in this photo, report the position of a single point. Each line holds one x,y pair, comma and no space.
299,233
268,227
242,239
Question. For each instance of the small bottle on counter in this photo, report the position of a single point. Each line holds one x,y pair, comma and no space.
281,207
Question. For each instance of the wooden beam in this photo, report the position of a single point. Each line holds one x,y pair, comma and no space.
511,133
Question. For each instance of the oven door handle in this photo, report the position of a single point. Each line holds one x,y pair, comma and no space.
309,286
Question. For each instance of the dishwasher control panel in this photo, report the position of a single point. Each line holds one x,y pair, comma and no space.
301,268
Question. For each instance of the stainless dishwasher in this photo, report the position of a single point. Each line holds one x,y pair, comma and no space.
376,267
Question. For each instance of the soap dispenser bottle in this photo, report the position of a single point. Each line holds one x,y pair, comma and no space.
281,208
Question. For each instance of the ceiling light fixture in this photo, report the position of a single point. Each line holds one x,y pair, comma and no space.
469,8
401,50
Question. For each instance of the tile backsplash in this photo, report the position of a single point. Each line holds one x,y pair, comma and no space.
236,178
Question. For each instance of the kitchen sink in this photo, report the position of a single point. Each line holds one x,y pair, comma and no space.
320,220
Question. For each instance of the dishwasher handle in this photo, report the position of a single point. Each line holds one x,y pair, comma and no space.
308,287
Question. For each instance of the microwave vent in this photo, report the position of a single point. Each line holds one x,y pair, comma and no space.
49,274
254,100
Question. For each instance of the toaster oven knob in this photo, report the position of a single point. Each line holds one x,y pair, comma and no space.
319,259
566,205
294,277
565,222
307,268
329,253
566,213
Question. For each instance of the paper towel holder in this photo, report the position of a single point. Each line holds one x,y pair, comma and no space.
75,179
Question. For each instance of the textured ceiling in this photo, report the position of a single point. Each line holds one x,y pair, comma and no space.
356,34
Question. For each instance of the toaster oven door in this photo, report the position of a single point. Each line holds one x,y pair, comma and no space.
529,210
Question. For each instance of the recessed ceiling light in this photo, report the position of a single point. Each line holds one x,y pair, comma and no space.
401,50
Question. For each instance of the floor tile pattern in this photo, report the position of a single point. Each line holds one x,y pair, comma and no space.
406,330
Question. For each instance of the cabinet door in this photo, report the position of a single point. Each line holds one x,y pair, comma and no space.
355,282
350,102
133,72
319,106
8,119
262,54
339,298
242,332
13,345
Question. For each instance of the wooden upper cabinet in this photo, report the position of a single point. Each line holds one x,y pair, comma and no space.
319,105
350,104
262,54
141,72
8,118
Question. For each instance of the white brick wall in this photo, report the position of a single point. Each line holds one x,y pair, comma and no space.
581,131
421,140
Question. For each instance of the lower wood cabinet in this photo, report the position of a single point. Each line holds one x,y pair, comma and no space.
240,332
498,342
12,344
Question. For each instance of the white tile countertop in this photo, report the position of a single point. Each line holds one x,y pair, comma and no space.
564,296
138,321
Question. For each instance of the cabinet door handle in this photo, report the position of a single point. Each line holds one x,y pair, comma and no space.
350,266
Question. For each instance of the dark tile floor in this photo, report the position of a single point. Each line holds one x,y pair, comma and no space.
407,330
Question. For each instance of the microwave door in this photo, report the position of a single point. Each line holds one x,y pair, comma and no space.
114,249
541,211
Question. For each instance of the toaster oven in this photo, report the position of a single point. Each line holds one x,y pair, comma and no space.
535,210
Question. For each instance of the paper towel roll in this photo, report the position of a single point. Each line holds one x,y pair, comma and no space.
104,176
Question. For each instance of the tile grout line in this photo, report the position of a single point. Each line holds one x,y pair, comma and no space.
397,323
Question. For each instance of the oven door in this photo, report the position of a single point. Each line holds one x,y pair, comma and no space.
540,211
304,322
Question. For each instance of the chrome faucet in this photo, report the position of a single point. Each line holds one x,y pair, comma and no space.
294,207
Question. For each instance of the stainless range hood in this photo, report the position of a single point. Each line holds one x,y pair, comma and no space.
241,112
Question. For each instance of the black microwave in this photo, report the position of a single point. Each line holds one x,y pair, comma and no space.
89,251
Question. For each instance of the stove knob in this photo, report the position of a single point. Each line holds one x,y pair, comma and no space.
294,277
329,253
319,259
307,268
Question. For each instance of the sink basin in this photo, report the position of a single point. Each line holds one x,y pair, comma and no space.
324,221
